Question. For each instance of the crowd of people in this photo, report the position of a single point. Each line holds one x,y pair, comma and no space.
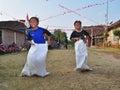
13,47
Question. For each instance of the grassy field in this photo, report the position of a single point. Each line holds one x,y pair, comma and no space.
60,64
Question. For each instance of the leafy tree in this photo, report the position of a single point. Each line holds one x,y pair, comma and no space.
63,37
53,37
105,35
57,33
59,37
117,33
71,42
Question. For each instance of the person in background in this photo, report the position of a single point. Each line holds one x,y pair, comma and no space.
3,49
66,43
36,58
80,37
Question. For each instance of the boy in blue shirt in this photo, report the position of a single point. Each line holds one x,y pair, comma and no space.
36,58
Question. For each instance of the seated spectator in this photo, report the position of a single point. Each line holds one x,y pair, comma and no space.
13,48
3,49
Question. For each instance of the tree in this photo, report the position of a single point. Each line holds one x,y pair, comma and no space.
63,37
59,36
57,33
105,35
117,33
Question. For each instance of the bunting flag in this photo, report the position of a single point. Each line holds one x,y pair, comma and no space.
27,24
71,11
68,11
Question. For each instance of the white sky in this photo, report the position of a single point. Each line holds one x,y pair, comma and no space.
50,11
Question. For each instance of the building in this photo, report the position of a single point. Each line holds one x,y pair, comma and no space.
12,31
96,33
112,38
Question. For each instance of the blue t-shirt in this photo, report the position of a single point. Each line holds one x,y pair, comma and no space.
38,35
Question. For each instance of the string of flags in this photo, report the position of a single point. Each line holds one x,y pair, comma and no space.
69,10
61,6
74,11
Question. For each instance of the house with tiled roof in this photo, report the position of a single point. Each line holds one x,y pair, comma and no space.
112,39
96,33
12,31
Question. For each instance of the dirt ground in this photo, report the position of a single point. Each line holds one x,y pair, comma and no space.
60,64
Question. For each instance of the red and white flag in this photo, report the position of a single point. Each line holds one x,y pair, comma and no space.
27,24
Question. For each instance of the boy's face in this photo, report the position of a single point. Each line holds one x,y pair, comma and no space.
77,26
33,23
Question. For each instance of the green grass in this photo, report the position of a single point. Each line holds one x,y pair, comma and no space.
107,49
60,64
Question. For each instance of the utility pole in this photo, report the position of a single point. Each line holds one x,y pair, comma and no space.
107,15
106,26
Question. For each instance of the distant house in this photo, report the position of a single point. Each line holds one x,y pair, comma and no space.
113,39
96,33
12,31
